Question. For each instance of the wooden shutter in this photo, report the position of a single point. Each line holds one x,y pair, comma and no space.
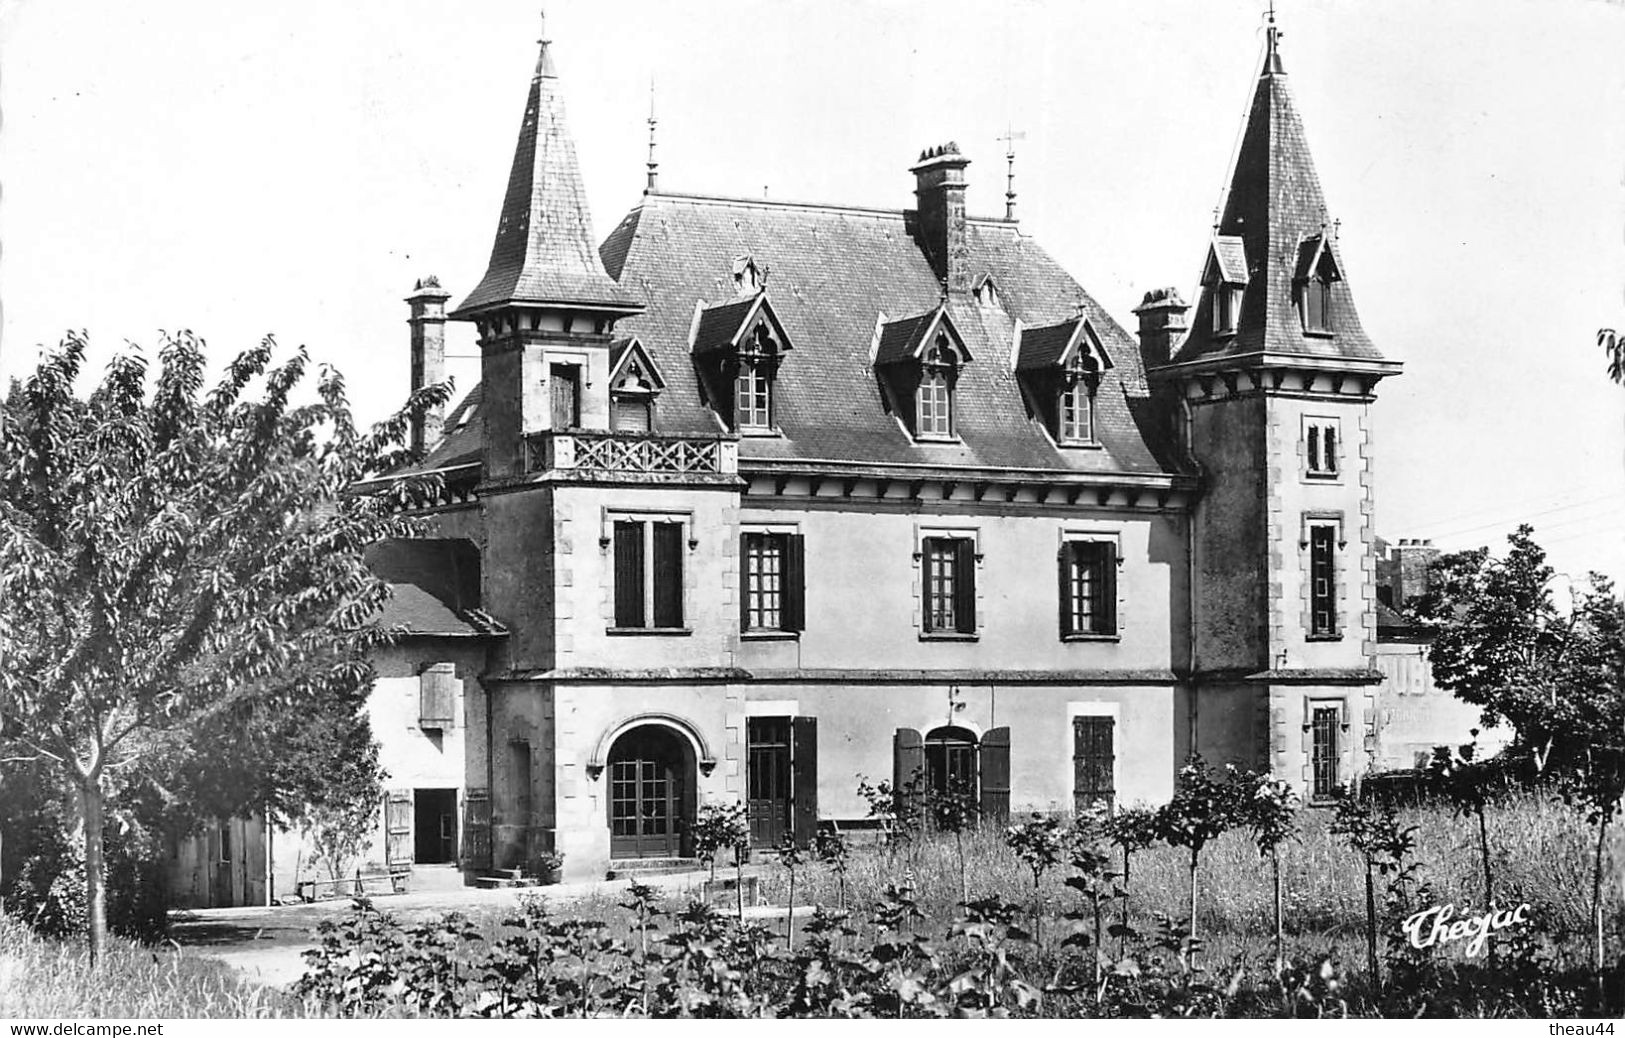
476,852
995,774
793,583
437,697
744,580
965,586
1093,762
398,828
908,765
1064,565
804,779
628,574
566,396
668,574
1107,609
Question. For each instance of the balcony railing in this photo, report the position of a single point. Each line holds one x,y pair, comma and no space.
633,454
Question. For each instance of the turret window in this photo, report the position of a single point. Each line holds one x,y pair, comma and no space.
1317,271
1317,305
1226,308
1320,448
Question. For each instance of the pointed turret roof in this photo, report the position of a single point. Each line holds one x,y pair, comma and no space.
1274,205
544,253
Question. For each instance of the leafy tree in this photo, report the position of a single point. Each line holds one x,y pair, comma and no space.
175,562
1203,808
1268,807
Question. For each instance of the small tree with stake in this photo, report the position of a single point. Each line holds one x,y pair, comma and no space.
1130,829
1041,845
1384,846
1268,807
1203,808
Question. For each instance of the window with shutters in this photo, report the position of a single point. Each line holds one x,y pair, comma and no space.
772,588
648,568
437,697
950,761
1088,583
1094,763
1320,448
1323,580
948,586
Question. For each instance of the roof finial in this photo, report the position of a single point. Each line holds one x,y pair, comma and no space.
1272,37
1010,137
544,60
650,187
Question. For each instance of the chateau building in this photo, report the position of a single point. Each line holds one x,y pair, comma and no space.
756,498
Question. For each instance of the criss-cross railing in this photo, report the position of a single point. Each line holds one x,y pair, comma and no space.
636,453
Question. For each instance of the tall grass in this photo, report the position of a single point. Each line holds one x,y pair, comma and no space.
1540,853
42,978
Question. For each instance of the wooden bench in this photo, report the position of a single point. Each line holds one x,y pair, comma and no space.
362,884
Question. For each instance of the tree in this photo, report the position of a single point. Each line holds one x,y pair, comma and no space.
1268,807
1501,643
1204,807
1614,345
175,563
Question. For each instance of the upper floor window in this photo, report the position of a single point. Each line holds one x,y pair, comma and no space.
948,585
772,591
1323,580
1226,277
1317,271
634,383
934,399
738,349
648,574
1317,305
1320,447
1088,589
1226,308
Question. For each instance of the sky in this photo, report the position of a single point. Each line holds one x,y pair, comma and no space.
246,169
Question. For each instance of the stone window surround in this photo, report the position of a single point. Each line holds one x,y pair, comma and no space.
1114,537
608,517
921,532
1340,573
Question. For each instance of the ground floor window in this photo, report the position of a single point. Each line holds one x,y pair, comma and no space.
1325,722
1094,763
952,760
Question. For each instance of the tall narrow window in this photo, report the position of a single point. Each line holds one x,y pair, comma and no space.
1094,763
948,577
1315,296
564,381
1077,413
934,400
753,386
1226,307
1320,447
771,582
1088,588
648,569
1323,755
1322,580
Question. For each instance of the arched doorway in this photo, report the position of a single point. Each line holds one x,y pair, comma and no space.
651,793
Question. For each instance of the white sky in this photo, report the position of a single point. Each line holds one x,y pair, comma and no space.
292,168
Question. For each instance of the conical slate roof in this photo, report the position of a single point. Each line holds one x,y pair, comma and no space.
1274,206
544,253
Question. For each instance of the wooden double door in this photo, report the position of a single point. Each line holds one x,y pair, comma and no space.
651,794
781,780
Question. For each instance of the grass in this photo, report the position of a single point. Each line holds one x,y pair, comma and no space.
50,979
1540,853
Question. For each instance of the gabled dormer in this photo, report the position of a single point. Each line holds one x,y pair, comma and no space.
1059,367
634,385
738,348
1317,271
918,360
1225,279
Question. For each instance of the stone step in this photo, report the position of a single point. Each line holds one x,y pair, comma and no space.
437,877
624,868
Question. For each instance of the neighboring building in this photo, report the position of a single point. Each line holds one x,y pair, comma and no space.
767,497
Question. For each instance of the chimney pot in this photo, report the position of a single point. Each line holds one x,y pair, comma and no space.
939,191
428,325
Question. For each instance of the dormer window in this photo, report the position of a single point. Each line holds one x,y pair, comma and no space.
753,385
1059,367
934,400
1317,271
918,361
738,348
1226,279
634,383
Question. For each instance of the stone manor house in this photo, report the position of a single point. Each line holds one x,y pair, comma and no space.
756,497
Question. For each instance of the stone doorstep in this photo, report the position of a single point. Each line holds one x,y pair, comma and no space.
631,868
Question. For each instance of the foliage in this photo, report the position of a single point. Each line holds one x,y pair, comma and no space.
339,818
175,564
1614,345
1205,805
719,827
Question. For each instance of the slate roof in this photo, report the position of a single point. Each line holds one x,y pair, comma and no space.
1230,257
835,271
423,615
543,252
1040,348
463,436
1274,204
903,339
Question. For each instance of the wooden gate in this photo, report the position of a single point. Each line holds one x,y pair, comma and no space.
398,828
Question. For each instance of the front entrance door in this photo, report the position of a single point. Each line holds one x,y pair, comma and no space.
768,780
648,794
434,818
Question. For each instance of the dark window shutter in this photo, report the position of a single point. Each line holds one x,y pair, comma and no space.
995,768
744,581
965,586
908,765
1329,448
1065,563
628,574
794,583
668,574
1107,612
477,828
804,778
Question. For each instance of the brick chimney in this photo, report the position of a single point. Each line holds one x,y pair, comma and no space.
939,191
428,321
1162,325
1410,569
